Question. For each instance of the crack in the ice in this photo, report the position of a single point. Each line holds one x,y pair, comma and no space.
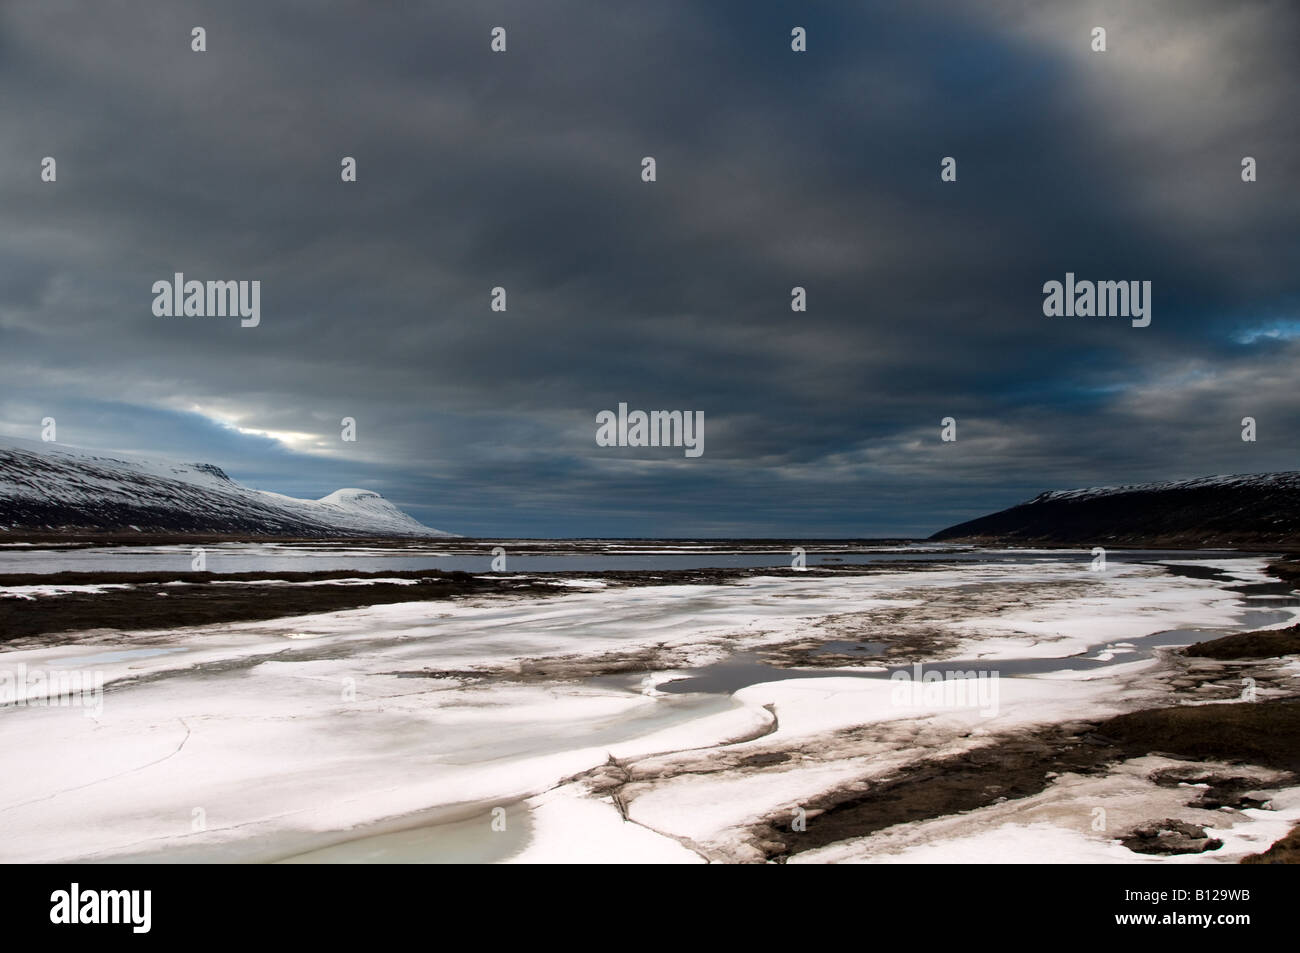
111,777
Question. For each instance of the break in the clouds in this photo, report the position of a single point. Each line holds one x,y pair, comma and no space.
775,169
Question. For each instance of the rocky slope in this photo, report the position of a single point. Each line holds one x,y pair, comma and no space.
1260,510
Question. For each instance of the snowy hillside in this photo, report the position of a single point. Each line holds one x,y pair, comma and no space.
1288,481
44,486
1253,510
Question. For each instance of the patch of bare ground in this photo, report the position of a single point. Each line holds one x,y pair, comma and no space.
1266,643
919,631
1012,768
1169,836
151,600
1285,851
653,658
1263,733
149,604
1286,569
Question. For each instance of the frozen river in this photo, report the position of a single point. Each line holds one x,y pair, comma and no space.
519,555
470,730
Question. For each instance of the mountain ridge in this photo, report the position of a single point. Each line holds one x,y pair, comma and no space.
46,487
1235,510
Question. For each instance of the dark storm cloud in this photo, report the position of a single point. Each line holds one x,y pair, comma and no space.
775,169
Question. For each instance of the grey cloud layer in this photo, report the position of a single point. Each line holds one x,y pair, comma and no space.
776,169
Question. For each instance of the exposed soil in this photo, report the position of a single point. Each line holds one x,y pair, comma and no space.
1010,769
149,604
212,598
1285,851
1170,836
1268,643
1264,733
1287,569
1220,790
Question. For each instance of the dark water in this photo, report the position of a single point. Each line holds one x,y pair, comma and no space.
537,556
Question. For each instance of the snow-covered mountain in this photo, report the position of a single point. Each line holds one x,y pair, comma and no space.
1259,510
44,486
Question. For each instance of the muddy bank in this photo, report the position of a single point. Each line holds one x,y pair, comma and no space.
204,599
148,602
1285,851
1011,769
152,601
1268,643
1287,569
1265,733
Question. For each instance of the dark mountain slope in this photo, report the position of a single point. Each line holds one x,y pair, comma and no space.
1259,511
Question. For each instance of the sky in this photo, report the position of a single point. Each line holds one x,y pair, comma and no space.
774,169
